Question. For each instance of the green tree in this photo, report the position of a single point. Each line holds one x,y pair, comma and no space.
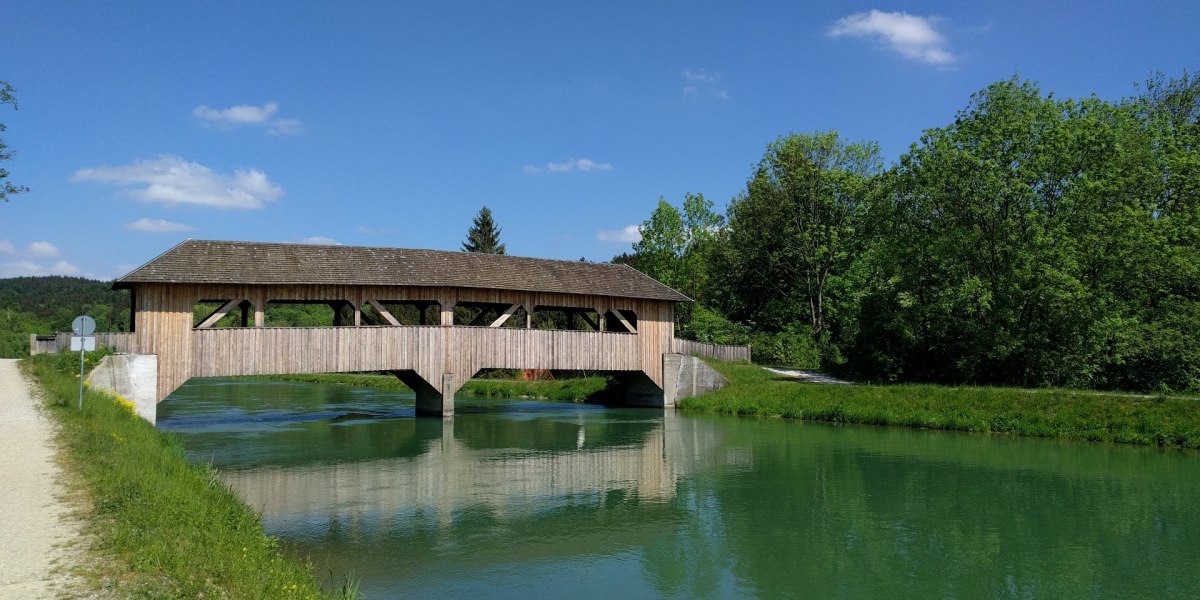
676,244
6,187
792,232
483,235
1034,241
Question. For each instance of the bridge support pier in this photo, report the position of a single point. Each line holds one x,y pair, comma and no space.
640,390
431,402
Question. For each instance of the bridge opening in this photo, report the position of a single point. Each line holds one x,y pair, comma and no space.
220,314
401,312
490,314
308,313
567,318
620,320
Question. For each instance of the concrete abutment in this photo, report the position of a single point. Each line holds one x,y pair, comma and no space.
133,377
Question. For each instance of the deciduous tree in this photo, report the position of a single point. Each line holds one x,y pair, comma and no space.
791,232
6,187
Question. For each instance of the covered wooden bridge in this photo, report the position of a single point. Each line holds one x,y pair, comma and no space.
434,318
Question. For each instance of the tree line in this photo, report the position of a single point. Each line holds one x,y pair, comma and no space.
49,304
1033,241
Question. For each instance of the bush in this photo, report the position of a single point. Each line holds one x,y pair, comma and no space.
792,347
708,326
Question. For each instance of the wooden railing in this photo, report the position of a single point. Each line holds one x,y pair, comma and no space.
717,351
429,350
53,344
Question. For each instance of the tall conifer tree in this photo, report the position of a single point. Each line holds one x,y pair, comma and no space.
483,235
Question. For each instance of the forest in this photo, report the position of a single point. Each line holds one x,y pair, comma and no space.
1033,241
49,304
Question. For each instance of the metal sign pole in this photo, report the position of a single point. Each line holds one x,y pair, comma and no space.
81,351
83,326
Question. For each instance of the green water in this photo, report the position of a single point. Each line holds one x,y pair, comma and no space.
522,499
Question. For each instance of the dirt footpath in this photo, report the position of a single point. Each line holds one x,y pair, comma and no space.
35,530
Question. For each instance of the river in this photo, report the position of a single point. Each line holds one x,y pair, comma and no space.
527,499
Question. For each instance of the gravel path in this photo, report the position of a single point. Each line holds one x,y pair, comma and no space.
808,376
35,527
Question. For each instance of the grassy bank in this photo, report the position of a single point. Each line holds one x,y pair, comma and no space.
577,389
163,528
1070,414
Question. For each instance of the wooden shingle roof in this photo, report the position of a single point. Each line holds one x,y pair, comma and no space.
202,261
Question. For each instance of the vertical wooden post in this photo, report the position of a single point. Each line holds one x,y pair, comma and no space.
447,313
260,308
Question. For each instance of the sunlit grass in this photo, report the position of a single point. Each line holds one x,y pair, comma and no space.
164,528
1070,414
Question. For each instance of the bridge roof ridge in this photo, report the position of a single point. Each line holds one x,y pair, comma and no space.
273,263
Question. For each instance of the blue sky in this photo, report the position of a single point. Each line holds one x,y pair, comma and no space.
389,124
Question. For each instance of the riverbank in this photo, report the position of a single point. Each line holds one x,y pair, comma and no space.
576,389
1162,420
162,527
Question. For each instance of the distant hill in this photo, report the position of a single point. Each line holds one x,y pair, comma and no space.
49,304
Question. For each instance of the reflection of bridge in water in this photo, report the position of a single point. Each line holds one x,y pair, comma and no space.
450,475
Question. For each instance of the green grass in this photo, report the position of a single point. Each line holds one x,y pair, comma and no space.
1171,421
163,527
577,389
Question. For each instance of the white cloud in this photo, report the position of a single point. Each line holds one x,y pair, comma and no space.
25,268
284,127
630,234
6,247
699,82
248,114
698,76
373,230
42,250
241,114
172,180
157,226
320,240
915,38
574,164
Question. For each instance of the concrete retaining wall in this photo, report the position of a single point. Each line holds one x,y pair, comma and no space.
687,376
131,376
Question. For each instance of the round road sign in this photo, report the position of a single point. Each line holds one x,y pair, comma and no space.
84,325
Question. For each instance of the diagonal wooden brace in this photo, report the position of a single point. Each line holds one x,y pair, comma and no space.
505,315
218,314
383,312
617,314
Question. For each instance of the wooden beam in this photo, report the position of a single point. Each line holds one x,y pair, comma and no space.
383,312
505,315
586,319
218,314
621,318
260,307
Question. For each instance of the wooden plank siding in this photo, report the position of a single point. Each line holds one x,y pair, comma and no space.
717,351
163,325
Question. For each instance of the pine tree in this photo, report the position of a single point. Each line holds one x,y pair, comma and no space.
483,235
